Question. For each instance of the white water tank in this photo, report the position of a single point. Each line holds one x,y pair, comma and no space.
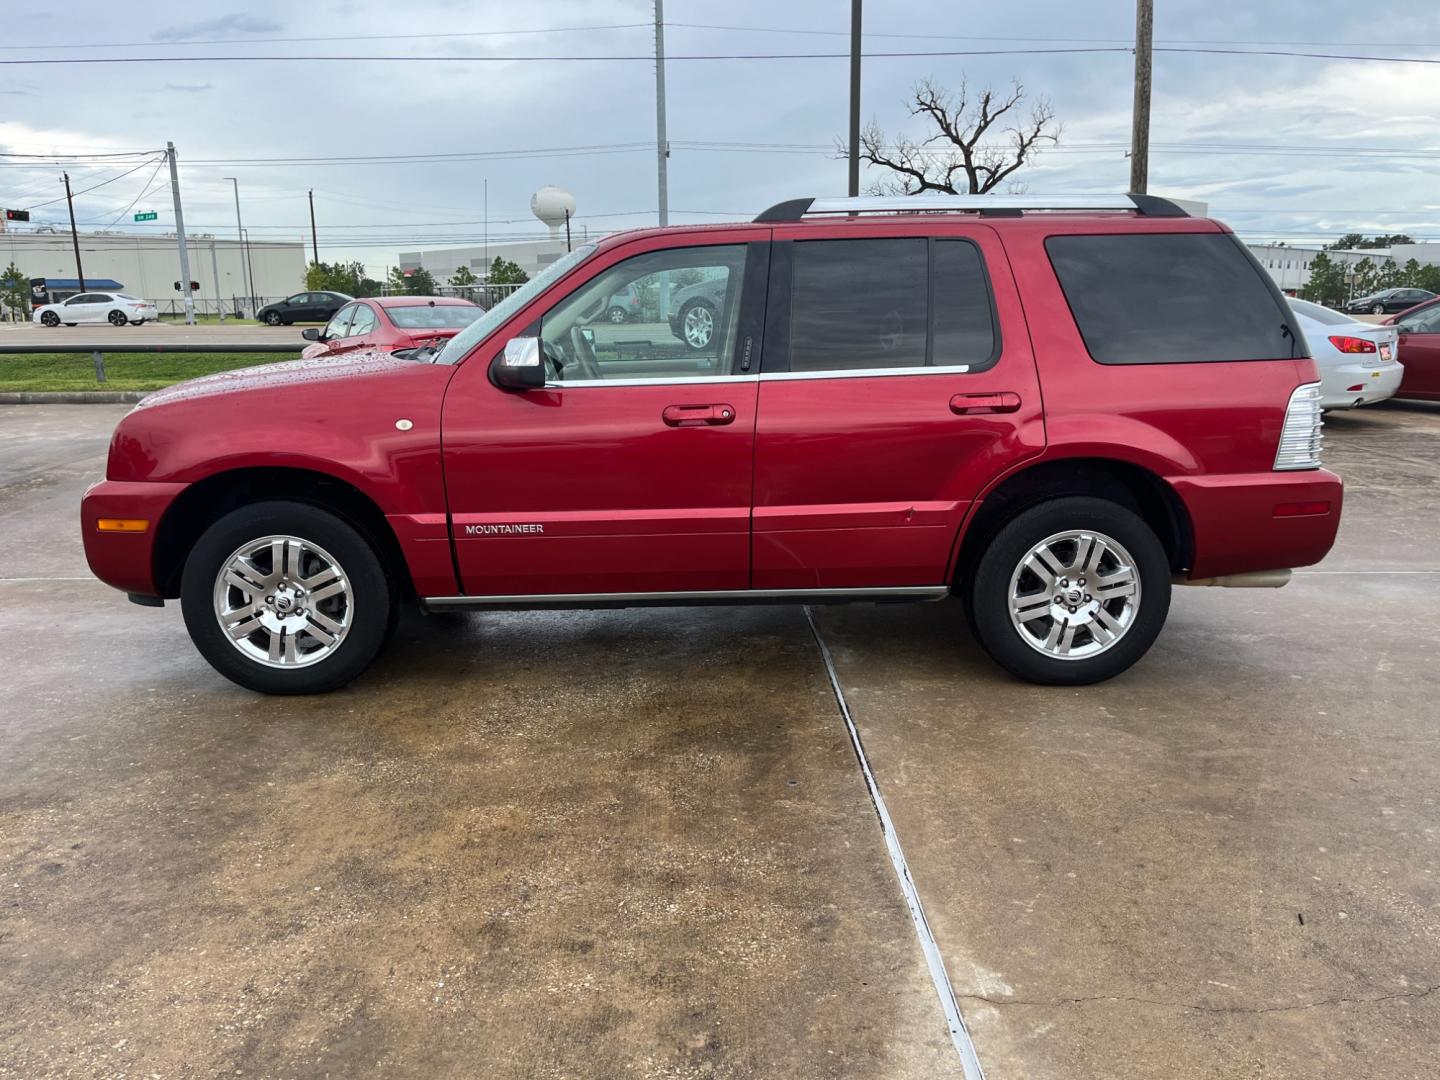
553,205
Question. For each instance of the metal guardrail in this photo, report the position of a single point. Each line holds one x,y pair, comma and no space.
97,352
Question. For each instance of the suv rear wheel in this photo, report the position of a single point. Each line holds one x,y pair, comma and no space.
286,598
1069,592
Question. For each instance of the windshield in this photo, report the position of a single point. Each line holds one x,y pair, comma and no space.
439,317
482,327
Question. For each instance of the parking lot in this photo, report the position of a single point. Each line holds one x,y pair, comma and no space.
639,843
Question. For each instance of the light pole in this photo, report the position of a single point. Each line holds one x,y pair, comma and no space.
244,261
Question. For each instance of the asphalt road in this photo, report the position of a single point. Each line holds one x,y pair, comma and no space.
639,844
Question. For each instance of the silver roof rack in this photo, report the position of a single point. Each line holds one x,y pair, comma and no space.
990,205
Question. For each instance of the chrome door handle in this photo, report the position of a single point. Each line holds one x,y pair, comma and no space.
971,404
698,415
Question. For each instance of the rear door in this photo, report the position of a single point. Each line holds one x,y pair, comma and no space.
630,472
1420,353
897,380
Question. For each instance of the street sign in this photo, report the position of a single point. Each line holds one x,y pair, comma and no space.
149,215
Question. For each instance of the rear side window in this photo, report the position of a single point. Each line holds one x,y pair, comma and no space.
858,304
875,304
1177,298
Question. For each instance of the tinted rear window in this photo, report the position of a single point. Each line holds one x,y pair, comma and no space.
1177,298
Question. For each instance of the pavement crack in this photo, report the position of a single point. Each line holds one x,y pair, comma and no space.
1060,1003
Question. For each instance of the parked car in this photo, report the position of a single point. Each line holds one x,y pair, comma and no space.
390,323
1053,416
118,309
696,312
1388,300
1357,360
1419,330
625,306
303,307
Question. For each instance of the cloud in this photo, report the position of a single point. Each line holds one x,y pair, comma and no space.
186,88
223,26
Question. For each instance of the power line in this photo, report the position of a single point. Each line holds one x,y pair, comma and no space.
307,40
143,192
93,187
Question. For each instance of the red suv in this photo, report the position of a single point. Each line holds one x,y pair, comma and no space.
1051,408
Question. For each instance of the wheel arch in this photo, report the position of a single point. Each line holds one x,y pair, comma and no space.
1133,486
207,500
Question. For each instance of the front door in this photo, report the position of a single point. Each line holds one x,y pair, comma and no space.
630,472
898,379
1419,352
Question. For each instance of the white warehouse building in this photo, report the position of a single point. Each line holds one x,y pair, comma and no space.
1290,266
149,265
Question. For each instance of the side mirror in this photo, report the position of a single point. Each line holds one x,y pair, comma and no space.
520,367
313,333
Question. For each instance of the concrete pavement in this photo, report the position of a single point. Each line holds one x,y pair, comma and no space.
638,844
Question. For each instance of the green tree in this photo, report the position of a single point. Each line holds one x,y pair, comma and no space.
417,282
1359,242
1327,281
1410,275
505,272
462,277
1390,275
1364,277
1428,278
338,277
14,291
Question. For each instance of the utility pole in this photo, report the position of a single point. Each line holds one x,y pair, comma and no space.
180,237
662,144
215,273
250,268
567,231
854,98
314,243
74,237
1140,131
246,279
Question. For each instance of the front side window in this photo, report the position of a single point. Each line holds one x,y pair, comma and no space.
687,301
364,321
336,327
1171,298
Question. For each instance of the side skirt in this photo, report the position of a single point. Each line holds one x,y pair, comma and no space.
901,594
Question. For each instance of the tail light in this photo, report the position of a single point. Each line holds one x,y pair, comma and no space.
1352,344
1301,436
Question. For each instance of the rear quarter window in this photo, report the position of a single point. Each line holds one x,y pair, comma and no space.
1171,298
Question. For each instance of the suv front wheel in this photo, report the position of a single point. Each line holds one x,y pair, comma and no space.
286,598
1071,591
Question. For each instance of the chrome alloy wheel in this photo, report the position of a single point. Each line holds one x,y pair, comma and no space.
283,601
1074,595
699,326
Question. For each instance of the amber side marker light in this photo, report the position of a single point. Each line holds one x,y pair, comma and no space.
126,525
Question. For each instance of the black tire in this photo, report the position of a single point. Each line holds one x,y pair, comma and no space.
49,318
1378,309
272,318
989,590
696,305
374,600
617,315
117,318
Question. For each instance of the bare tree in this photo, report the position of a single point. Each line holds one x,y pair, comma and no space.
958,159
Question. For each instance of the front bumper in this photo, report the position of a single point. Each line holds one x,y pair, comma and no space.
125,560
1260,521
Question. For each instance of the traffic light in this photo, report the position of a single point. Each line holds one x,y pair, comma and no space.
17,215
194,286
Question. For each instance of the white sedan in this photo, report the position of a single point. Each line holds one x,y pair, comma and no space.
118,309
1358,361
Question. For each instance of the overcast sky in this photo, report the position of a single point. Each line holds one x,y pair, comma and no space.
1361,151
